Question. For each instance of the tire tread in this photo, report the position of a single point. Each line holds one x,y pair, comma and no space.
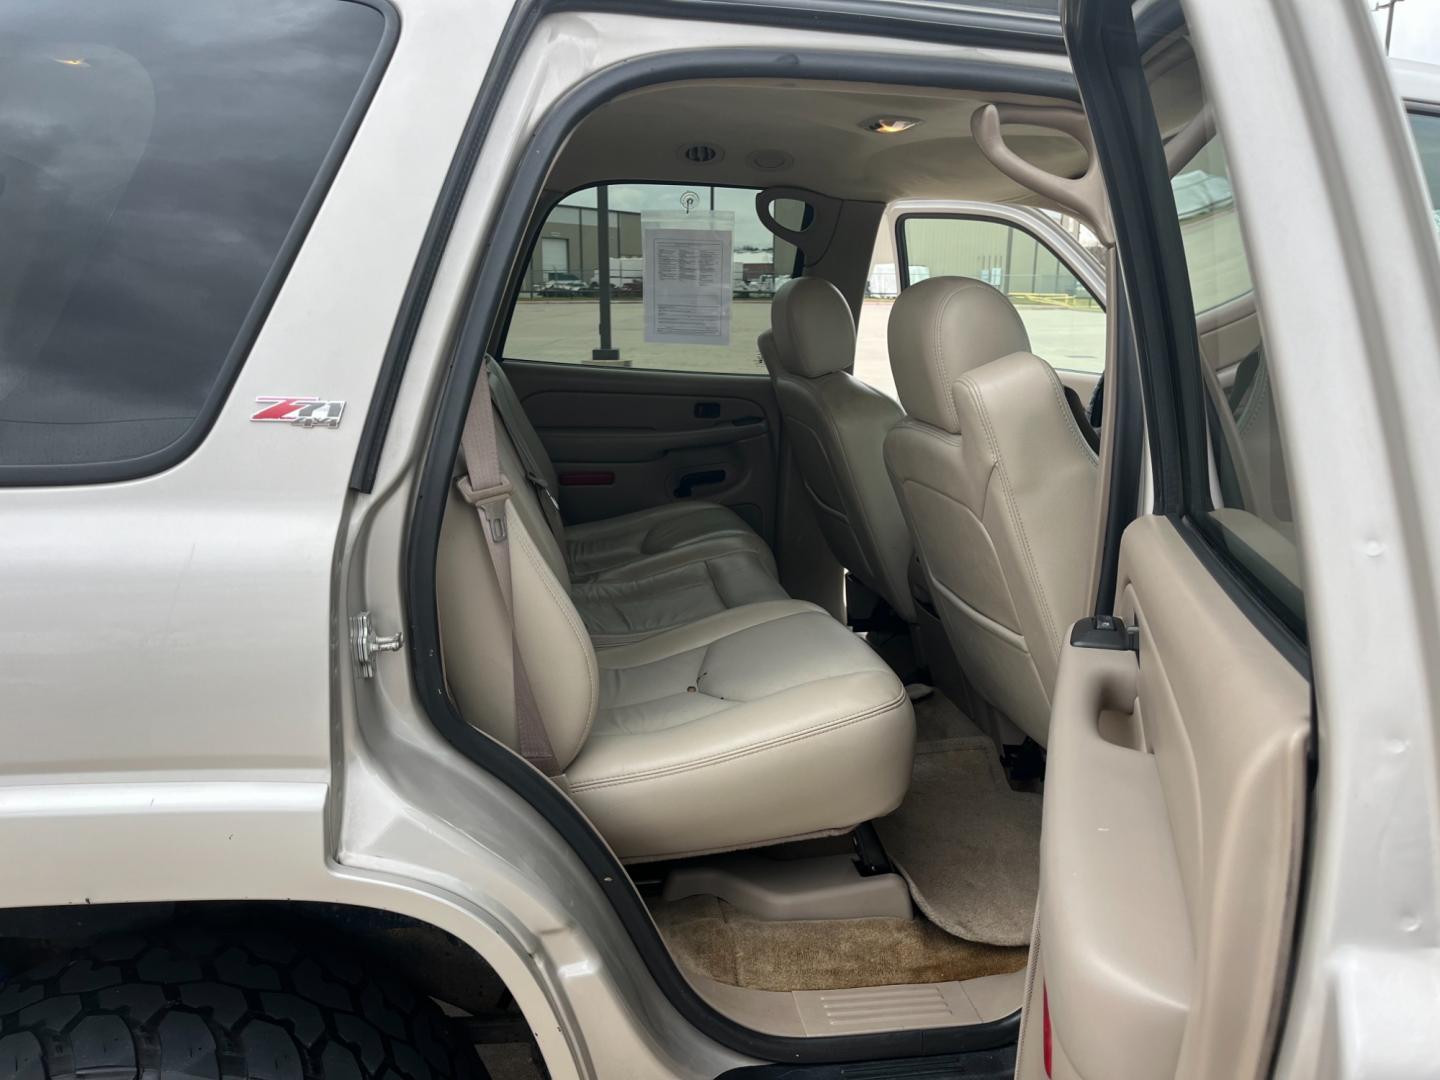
201,1004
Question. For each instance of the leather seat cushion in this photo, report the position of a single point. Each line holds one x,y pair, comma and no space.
677,589
641,573
759,724
620,547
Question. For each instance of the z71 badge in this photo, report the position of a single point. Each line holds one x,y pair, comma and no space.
305,411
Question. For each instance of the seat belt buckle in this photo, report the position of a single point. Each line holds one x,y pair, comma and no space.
490,501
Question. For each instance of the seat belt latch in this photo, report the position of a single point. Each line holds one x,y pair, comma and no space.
491,502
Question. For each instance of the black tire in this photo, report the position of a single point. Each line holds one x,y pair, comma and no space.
197,1004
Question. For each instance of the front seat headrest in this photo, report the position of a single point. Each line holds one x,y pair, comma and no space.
814,329
769,355
940,329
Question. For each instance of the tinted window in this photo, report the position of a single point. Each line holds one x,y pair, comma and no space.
1214,254
560,315
1065,323
1246,512
1426,129
154,154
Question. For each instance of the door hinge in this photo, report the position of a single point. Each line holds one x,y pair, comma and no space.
365,643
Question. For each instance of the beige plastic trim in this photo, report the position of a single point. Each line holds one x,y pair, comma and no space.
829,887
1187,142
1113,390
814,240
1084,196
866,1009
1114,919
1170,851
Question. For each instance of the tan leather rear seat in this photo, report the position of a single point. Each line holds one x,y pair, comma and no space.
740,727
637,574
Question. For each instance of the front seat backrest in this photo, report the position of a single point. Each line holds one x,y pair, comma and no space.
998,485
836,426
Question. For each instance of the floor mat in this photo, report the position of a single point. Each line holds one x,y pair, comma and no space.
968,845
712,938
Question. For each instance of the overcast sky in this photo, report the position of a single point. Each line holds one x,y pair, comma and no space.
1417,29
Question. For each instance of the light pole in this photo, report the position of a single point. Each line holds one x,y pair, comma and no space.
1388,6
606,352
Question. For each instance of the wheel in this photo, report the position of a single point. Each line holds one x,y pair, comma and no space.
197,1004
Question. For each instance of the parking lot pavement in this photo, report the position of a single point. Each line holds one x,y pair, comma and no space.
566,331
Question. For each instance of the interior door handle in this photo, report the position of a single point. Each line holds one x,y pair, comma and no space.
1105,632
690,481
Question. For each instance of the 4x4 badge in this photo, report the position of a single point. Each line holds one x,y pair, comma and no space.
305,411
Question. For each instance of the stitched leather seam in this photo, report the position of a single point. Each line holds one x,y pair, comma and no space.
1067,417
937,364
848,516
870,544
810,609
736,755
1256,404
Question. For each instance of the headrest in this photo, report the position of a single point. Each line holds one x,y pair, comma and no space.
940,329
814,330
768,353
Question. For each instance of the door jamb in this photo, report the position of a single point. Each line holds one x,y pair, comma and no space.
488,292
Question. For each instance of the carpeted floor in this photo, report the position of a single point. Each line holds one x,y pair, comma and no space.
968,845
937,718
712,938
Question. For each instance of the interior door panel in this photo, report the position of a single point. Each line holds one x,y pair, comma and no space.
624,440
1173,825
1229,333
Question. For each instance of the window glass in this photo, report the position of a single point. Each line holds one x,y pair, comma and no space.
561,317
1246,512
1426,129
1214,254
153,157
1065,322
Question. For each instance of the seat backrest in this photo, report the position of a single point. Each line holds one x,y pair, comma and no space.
475,634
836,427
998,485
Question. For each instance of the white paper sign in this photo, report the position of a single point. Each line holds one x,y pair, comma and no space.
687,286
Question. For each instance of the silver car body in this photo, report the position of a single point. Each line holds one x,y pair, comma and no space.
183,721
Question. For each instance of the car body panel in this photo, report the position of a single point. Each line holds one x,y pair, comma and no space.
216,742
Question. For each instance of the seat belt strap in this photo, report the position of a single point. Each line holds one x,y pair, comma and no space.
549,505
486,488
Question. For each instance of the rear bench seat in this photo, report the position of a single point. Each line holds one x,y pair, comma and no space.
636,574
692,706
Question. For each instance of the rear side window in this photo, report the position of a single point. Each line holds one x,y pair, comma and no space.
155,155
696,302
1064,321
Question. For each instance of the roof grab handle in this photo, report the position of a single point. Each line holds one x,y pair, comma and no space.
1083,196
1182,147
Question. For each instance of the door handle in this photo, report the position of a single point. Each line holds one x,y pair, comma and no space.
1105,632
690,481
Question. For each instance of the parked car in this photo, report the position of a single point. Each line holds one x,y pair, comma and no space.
558,283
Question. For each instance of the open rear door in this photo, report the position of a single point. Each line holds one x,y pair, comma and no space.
1179,757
